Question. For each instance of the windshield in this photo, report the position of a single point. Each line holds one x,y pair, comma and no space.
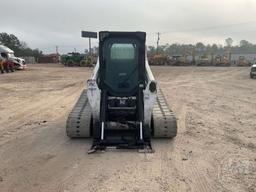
122,51
121,57
11,55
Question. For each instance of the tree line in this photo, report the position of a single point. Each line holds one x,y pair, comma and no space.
200,48
20,48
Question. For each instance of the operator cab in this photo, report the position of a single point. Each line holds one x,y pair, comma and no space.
121,79
122,72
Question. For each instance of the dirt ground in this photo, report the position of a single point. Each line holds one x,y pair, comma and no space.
215,149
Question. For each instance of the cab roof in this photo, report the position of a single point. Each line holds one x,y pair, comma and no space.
4,49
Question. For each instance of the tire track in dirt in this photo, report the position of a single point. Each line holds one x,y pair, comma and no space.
30,113
192,169
21,127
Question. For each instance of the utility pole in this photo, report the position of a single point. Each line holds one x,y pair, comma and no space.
90,46
193,55
57,50
157,43
57,54
75,50
89,34
229,55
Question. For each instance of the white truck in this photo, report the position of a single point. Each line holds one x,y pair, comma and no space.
7,53
253,71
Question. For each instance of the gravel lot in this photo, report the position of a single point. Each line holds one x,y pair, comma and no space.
215,149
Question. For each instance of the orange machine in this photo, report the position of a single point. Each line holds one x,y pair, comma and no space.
242,62
159,59
222,60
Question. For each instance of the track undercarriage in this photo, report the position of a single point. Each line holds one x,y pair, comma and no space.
80,124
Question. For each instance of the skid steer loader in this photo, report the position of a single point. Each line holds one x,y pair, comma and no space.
122,107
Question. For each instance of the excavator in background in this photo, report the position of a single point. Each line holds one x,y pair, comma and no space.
122,106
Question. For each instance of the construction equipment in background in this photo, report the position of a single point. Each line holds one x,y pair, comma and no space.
222,61
72,59
87,62
159,59
203,60
179,60
76,59
164,59
122,107
49,58
218,60
242,62
93,58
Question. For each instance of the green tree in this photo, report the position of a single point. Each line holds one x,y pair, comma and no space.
229,42
200,46
214,48
20,48
10,41
151,50
244,43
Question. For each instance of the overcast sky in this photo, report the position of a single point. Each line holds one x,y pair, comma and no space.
44,24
